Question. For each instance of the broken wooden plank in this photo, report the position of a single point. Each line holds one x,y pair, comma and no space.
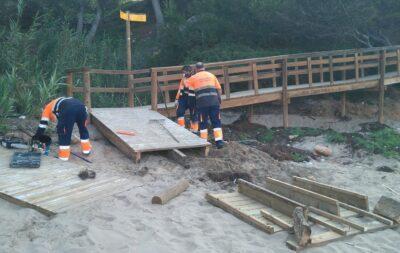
303,196
342,195
389,208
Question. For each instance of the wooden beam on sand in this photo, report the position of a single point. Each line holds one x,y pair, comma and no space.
303,196
342,195
170,193
269,198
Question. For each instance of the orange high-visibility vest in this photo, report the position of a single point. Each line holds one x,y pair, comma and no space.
206,87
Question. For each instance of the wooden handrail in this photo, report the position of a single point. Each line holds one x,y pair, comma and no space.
337,67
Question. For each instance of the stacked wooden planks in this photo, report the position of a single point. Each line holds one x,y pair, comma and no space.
55,186
271,209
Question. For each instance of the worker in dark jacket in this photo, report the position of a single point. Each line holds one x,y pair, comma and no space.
67,112
208,99
186,100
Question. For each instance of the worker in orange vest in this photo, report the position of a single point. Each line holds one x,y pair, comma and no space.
207,90
186,100
67,112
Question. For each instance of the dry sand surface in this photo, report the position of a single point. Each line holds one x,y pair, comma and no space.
128,222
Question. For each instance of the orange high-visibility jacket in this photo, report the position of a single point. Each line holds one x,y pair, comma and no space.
206,88
49,113
184,89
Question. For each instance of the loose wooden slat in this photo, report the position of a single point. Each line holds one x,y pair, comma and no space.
337,218
267,197
303,196
345,196
368,214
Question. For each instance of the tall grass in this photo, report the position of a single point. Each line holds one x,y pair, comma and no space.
34,61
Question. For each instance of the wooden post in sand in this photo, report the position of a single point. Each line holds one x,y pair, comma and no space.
167,195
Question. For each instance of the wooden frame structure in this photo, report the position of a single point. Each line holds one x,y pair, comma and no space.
259,80
270,209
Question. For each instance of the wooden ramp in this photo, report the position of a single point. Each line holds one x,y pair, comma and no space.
55,186
152,131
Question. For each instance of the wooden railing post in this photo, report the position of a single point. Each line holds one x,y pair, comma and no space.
154,90
250,85
255,77
310,72
274,72
356,67
131,94
362,65
227,86
382,70
70,84
331,70
285,98
296,76
166,92
321,69
398,61
344,77
86,89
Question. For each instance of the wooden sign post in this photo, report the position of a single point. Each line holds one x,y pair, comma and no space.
130,17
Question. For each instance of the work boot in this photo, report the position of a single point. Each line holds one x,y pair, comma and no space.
220,144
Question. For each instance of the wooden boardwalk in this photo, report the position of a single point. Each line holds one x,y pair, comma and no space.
259,80
55,186
152,131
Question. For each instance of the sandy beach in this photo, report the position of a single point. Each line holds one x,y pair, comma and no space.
128,222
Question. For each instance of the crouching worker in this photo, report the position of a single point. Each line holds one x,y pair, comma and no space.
67,112
186,100
208,99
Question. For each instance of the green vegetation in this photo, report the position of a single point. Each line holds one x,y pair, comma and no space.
297,157
303,131
335,137
384,141
40,39
267,136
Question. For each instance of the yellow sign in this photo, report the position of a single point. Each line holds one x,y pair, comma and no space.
133,17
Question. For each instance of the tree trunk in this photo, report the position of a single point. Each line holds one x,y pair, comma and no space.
158,13
95,24
79,25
